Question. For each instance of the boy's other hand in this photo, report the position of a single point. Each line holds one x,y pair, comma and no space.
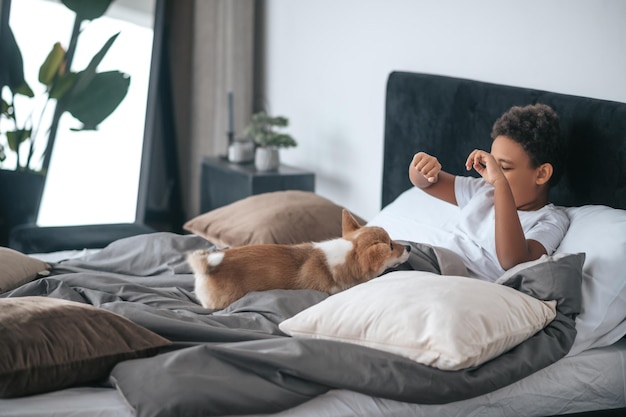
485,164
424,167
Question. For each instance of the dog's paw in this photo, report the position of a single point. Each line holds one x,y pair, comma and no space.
197,259
202,259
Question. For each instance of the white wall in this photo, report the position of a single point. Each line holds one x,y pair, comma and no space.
327,62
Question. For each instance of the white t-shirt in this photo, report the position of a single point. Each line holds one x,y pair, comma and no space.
473,236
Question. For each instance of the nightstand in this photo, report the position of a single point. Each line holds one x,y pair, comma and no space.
223,182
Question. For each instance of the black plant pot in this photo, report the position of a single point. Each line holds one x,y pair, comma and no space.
20,195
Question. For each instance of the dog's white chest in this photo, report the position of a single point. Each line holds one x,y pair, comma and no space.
336,251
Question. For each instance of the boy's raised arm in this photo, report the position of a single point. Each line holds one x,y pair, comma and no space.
512,247
425,173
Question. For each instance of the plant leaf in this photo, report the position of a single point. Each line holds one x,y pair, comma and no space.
24,90
262,131
12,68
98,99
52,65
16,137
87,9
62,85
4,107
85,77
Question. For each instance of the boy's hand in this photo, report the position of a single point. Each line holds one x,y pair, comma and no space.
425,173
425,166
485,164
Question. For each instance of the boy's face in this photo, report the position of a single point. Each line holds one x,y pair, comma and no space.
523,178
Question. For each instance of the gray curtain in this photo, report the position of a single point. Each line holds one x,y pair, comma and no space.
211,44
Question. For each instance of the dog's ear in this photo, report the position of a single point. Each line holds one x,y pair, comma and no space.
348,223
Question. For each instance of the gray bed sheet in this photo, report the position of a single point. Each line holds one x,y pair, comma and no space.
597,376
147,280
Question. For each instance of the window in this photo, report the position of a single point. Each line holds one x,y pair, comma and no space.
94,175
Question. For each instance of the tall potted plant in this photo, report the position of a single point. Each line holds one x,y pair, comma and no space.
263,130
89,96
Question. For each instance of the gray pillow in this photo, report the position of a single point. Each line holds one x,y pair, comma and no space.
49,344
565,268
17,269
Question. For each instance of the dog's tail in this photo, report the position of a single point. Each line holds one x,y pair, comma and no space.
214,259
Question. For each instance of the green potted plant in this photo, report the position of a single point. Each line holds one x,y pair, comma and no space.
89,96
264,131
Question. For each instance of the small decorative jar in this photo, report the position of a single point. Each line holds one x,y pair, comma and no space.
241,151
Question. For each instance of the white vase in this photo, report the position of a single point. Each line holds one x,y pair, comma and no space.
241,151
266,159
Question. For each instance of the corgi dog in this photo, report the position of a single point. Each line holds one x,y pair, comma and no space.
362,253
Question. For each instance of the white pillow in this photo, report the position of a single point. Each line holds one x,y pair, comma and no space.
600,232
447,322
417,216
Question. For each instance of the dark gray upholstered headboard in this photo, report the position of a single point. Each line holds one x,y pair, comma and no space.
448,117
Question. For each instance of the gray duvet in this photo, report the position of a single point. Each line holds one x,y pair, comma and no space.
236,361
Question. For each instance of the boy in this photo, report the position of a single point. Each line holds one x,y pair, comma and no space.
505,216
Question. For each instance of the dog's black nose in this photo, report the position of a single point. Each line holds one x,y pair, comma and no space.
408,248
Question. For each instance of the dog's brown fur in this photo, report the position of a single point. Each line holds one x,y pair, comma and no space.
362,253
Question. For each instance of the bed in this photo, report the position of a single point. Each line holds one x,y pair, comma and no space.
124,335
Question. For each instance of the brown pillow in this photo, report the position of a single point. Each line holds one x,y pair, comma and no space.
49,344
17,269
285,217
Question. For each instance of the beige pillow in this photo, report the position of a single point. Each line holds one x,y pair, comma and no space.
448,322
285,217
49,344
17,269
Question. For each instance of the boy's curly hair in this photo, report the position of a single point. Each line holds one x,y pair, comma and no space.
536,128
